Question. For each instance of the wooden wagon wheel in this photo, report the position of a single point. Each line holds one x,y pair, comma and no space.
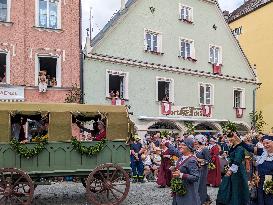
108,184
16,187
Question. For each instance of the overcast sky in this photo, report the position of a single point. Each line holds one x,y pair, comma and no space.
103,10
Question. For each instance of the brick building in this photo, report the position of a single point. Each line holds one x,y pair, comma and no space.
39,35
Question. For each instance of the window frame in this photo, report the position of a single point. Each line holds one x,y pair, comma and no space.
7,66
58,68
125,84
192,48
59,15
159,41
220,55
171,88
190,19
242,97
8,12
211,94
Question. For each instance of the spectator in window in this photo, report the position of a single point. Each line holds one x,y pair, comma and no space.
42,80
102,132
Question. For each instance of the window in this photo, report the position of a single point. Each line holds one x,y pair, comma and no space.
117,84
48,14
215,55
186,13
165,89
153,41
206,94
187,49
238,98
52,69
4,68
4,10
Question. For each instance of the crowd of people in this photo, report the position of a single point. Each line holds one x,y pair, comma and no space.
240,165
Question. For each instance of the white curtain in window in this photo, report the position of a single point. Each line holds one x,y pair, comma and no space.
53,14
43,13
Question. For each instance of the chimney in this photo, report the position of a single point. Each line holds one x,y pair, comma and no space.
122,5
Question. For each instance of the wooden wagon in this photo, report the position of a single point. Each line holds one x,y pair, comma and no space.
102,166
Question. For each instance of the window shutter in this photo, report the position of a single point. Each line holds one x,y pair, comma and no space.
126,86
220,56
212,95
145,40
172,91
156,88
191,15
160,48
188,49
182,12
243,100
107,83
192,50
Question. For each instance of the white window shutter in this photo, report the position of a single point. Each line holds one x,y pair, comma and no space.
156,88
220,56
145,40
201,93
160,49
211,54
172,91
192,50
243,100
107,83
126,86
191,15
212,95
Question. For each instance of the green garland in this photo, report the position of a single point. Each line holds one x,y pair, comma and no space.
90,151
229,127
23,151
268,187
178,187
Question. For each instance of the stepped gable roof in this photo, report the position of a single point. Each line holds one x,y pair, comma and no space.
248,7
112,22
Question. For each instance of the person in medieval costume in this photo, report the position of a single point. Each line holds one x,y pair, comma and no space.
164,174
264,167
187,169
137,164
203,157
234,188
214,173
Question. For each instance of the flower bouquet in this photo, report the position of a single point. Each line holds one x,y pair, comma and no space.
268,185
211,166
178,187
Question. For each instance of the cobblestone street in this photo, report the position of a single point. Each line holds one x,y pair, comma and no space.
74,194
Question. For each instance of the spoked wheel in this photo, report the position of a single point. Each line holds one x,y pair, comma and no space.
16,187
108,184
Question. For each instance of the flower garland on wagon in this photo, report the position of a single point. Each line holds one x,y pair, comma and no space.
26,152
90,151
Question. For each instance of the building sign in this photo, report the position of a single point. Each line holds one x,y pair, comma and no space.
14,93
183,111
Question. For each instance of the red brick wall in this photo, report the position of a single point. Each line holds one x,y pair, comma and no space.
24,41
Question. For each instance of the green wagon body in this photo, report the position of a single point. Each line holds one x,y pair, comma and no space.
60,159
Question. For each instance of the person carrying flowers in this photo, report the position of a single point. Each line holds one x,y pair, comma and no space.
265,169
234,188
185,175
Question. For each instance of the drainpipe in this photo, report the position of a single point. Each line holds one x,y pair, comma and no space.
81,53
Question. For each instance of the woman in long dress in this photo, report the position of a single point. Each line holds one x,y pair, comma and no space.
188,171
234,187
164,174
203,156
214,175
264,166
